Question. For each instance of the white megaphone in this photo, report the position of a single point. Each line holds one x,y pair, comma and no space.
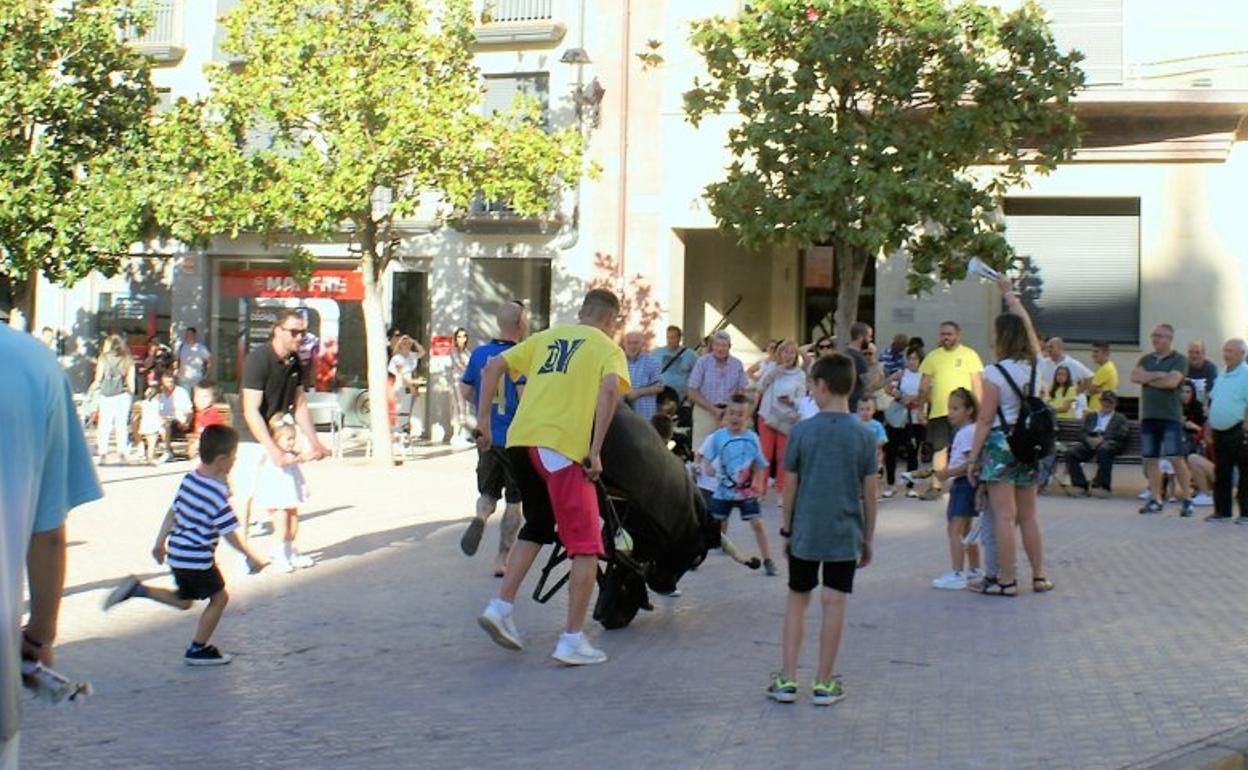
977,267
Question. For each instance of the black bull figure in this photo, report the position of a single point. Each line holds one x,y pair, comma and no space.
647,491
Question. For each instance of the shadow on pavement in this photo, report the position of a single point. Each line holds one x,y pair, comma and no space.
110,582
373,541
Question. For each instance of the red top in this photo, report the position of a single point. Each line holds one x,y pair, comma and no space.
209,416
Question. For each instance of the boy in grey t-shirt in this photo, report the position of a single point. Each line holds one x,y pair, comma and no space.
829,519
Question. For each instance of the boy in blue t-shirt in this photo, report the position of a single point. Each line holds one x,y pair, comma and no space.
495,479
830,495
734,456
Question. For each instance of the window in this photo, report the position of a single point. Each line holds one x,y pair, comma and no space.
501,92
1081,263
1094,28
495,281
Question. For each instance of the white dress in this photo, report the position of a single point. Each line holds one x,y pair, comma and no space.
280,487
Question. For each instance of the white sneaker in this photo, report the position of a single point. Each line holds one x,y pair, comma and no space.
575,650
498,623
1145,495
279,560
888,493
300,560
950,581
1204,498
912,493
974,573
258,529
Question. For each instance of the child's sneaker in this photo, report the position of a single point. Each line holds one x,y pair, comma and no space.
782,690
300,560
950,581
206,656
769,567
125,590
912,493
279,559
575,650
827,693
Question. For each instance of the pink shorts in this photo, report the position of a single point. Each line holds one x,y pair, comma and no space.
574,501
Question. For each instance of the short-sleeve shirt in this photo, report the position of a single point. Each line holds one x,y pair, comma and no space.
175,405
205,418
1203,377
1105,378
718,381
675,376
831,453
1229,399
192,359
861,372
1008,402
277,380
737,457
201,515
45,470
949,370
505,400
960,449
642,373
1159,403
1048,369
877,431
563,368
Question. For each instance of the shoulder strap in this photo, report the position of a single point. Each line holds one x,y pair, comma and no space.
1013,385
675,357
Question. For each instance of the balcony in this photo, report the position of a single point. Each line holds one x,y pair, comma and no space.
497,217
518,22
163,39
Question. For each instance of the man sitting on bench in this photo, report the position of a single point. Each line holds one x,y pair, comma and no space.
1105,434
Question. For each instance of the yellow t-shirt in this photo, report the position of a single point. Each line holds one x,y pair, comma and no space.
1106,378
1054,401
564,367
949,370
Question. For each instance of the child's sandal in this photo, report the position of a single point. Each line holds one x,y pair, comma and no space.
1042,585
993,587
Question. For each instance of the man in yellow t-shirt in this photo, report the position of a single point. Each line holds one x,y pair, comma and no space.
574,378
947,368
1104,378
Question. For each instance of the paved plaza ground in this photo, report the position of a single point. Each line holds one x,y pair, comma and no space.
373,658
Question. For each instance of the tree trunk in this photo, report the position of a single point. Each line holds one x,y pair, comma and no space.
851,266
22,314
375,338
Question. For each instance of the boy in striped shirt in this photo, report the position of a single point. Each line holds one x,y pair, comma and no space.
199,517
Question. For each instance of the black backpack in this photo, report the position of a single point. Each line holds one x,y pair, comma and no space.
1034,435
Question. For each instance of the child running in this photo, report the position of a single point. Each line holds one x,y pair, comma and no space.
280,490
739,456
963,411
199,517
830,490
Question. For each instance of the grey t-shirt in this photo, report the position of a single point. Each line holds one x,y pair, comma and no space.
831,453
1162,403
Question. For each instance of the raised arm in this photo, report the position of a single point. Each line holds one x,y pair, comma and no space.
1014,304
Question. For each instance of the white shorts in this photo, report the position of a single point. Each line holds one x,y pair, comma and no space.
251,456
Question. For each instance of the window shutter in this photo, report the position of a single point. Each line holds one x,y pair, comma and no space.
1094,27
1082,265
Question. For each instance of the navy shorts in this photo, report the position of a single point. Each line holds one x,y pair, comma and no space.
961,499
495,478
1161,438
198,583
837,575
720,510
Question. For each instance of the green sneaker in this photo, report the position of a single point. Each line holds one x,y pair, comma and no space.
827,693
782,690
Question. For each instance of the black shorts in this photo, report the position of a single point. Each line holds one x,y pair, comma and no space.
837,575
938,433
495,478
539,514
198,583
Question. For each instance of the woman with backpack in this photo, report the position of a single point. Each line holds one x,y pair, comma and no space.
114,376
1014,431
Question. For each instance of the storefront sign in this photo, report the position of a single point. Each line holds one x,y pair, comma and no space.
440,346
342,285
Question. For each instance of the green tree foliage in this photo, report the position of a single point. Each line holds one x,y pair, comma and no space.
74,108
347,116
878,126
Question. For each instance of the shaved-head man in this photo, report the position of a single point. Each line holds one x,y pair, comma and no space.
1228,409
495,479
1200,370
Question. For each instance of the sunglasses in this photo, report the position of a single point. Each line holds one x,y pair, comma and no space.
296,333
823,347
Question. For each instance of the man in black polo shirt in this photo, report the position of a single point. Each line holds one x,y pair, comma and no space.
272,385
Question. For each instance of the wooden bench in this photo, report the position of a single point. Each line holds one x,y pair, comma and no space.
183,446
1070,433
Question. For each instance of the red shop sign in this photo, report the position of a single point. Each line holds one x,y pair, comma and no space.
345,285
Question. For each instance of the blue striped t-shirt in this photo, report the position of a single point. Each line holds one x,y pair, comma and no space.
201,515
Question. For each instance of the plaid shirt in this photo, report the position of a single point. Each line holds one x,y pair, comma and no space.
643,372
715,381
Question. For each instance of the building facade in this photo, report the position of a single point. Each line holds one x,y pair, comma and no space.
1142,227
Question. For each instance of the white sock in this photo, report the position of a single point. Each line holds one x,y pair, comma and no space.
571,638
502,607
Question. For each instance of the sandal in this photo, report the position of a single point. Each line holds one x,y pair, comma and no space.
1042,585
992,587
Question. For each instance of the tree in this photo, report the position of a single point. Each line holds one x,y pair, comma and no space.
878,126
345,116
74,108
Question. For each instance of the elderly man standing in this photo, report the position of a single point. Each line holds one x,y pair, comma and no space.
1228,409
643,373
1160,375
715,378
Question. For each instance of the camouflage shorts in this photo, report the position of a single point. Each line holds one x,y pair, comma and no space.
998,466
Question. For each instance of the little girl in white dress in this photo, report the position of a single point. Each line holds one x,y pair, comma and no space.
280,491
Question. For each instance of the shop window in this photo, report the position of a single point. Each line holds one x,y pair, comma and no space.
495,281
136,315
1081,265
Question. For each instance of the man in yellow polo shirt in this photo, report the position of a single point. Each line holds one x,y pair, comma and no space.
1104,378
575,375
947,368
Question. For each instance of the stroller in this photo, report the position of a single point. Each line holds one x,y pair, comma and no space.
655,525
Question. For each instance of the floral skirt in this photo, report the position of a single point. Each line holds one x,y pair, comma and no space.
998,466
